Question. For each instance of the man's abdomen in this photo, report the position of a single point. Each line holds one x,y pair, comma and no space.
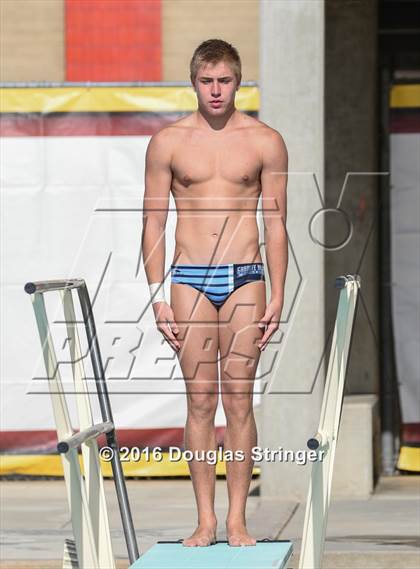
217,239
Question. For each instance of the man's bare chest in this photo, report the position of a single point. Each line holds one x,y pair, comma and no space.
231,160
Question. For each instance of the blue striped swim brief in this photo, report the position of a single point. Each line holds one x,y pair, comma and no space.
217,282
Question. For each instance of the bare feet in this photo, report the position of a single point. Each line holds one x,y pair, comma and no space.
237,535
203,536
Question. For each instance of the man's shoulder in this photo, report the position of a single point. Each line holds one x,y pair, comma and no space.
171,132
260,131
270,140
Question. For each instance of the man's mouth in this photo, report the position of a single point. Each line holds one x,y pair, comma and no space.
215,103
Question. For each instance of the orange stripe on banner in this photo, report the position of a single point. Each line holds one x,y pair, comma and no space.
85,124
410,433
113,40
46,440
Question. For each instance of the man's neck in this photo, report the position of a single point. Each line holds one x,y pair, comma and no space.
225,122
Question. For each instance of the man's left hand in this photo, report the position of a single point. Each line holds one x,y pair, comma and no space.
270,321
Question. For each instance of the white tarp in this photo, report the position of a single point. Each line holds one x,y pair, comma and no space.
405,263
71,208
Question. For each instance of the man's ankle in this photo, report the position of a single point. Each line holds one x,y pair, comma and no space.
209,520
236,520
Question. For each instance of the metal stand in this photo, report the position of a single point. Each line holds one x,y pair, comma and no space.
325,439
92,545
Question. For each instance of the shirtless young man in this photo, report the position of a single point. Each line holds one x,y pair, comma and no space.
217,162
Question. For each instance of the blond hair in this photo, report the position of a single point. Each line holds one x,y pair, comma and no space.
213,51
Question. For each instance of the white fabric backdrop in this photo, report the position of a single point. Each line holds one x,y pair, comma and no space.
405,259
52,191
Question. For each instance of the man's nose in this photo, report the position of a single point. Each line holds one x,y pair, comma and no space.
215,89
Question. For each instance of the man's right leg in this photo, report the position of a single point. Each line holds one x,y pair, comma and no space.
197,321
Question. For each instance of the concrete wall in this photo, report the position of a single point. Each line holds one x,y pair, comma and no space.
32,40
186,23
357,460
32,44
292,101
298,81
351,146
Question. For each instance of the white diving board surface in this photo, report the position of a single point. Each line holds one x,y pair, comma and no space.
171,554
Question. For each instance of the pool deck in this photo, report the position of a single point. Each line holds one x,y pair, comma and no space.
379,532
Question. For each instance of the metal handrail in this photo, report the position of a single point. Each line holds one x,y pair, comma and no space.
41,287
84,436
47,286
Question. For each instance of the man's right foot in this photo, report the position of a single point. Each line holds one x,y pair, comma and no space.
202,537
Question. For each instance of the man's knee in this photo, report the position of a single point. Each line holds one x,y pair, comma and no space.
202,405
237,406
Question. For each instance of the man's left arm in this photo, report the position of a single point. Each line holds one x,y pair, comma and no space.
274,207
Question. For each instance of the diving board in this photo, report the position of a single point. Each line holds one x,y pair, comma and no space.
273,554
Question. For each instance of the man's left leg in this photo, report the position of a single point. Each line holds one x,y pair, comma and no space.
239,355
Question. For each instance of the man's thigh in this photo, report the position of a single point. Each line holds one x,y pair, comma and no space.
239,335
197,321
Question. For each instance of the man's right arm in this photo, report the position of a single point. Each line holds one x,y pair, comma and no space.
158,179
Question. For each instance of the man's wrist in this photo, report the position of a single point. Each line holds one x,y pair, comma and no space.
277,298
157,292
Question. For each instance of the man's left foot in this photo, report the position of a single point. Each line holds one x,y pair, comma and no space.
237,535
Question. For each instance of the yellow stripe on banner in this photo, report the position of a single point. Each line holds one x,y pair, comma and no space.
409,459
111,99
405,96
50,465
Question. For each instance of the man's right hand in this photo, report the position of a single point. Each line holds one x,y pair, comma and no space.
166,323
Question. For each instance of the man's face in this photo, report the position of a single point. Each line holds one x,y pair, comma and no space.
216,86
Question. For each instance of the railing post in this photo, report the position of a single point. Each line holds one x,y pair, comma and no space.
86,501
325,440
